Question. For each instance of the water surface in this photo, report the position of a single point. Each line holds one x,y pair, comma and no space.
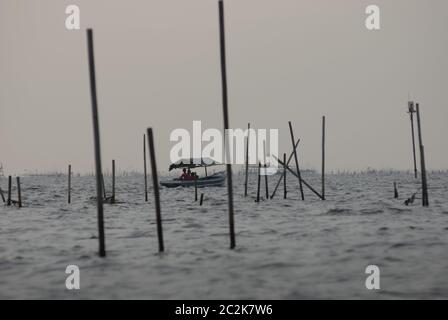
286,249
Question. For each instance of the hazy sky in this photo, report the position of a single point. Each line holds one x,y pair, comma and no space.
157,64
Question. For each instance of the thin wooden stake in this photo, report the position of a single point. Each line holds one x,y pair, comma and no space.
284,176
395,191
9,190
266,181
247,160
281,177
144,168
425,183
296,160
226,122
202,199
69,183
323,158
112,200
96,136
259,182
195,190
303,181
155,182
425,200
411,113
19,193
265,171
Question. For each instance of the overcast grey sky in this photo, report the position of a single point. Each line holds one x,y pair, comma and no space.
158,65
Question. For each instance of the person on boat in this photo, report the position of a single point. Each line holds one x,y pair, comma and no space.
184,175
189,175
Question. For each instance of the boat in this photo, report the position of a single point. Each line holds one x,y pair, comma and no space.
215,180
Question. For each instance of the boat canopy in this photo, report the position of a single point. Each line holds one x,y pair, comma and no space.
193,163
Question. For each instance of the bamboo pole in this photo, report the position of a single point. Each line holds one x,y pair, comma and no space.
19,193
411,114
395,191
195,190
144,168
69,183
247,160
9,190
284,176
323,158
265,171
112,200
266,181
202,199
226,122
304,182
425,200
259,182
281,177
425,183
96,136
296,160
155,182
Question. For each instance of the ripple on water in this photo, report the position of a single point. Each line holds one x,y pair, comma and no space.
398,210
340,212
137,234
371,211
401,245
193,226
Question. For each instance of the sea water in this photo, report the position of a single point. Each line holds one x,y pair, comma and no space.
286,249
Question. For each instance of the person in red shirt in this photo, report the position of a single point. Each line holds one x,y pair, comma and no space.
189,176
184,175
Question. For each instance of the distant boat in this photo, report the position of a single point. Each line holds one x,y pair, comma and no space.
214,180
